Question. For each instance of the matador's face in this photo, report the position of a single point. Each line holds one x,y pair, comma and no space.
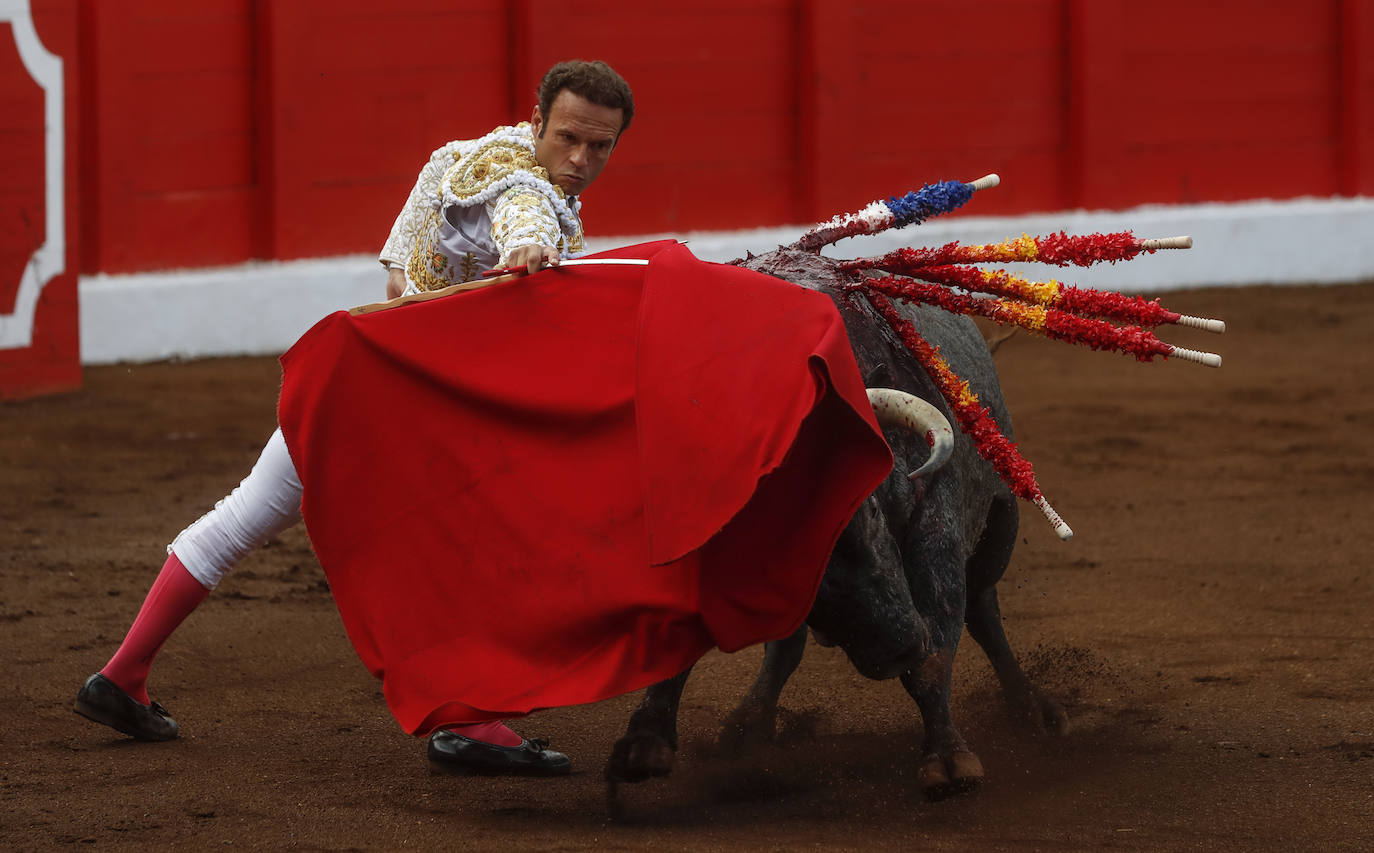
575,140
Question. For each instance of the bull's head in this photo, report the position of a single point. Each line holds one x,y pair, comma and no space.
864,603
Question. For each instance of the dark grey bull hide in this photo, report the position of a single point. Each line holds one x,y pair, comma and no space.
918,561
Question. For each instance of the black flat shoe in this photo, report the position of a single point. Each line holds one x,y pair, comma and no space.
101,700
454,753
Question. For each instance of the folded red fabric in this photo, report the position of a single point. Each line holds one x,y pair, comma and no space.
569,486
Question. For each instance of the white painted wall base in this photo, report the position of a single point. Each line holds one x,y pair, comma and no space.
262,308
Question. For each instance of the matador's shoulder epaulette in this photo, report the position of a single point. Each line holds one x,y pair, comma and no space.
499,161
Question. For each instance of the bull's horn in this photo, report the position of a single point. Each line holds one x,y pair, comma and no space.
900,409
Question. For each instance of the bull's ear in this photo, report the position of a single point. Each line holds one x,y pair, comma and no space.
879,376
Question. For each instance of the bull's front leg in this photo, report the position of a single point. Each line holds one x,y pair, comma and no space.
934,561
948,766
1031,710
649,746
755,718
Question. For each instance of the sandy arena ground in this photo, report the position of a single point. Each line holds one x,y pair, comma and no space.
1209,630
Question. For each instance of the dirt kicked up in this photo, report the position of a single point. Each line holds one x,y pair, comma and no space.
1209,630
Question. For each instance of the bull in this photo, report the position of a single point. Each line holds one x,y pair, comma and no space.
919,560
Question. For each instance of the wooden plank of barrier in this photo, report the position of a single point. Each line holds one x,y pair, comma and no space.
476,285
425,296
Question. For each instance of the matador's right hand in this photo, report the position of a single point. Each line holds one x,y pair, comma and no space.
533,258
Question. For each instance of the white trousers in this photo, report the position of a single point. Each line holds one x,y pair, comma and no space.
265,503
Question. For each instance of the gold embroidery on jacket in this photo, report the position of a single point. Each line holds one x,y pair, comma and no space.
498,159
526,215
427,266
469,266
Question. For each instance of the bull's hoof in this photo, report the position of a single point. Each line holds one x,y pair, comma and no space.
615,807
750,724
942,776
1056,719
1036,714
639,756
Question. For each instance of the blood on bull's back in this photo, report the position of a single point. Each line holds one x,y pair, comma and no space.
885,362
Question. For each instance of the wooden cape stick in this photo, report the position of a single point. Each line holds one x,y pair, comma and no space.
427,295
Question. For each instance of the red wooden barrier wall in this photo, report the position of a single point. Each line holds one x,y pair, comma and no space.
227,130
233,129
51,359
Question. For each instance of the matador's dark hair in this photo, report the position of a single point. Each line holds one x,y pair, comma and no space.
595,80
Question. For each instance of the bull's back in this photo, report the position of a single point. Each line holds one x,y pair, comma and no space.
885,361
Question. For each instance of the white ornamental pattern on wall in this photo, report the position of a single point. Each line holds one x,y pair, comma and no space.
48,260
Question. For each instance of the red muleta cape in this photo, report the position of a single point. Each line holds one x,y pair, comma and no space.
569,486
